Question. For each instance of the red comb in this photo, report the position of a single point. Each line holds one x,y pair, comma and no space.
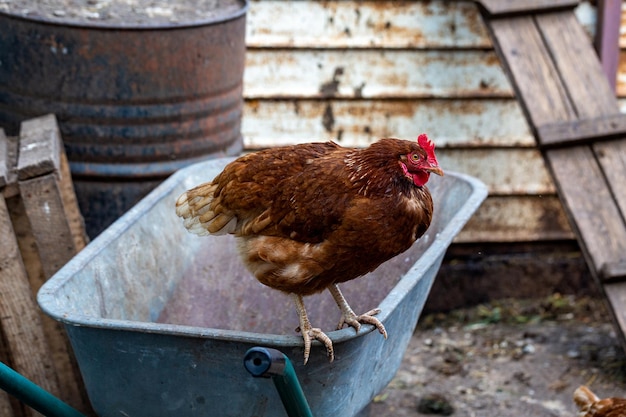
425,143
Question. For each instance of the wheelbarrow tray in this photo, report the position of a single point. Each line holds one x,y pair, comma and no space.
160,319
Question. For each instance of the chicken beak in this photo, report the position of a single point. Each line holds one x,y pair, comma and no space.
435,170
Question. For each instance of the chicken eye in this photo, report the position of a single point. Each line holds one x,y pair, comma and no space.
415,157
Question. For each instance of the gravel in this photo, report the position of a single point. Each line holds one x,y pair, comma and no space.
507,359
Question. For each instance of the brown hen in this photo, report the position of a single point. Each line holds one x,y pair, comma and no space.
310,216
589,405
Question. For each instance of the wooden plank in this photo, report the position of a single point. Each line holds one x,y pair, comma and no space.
39,182
21,324
5,402
466,123
590,196
39,147
59,352
588,201
614,271
41,153
587,87
536,79
592,96
10,149
507,8
582,131
612,158
373,74
365,24
73,215
50,232
575,193
616,294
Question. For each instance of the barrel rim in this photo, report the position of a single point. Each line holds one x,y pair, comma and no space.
131,28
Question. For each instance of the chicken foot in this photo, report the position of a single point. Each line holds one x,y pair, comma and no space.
309,333
350,318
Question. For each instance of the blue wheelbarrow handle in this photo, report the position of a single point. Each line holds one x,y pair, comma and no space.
272,363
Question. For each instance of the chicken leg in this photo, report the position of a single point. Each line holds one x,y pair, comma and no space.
350,318
309,333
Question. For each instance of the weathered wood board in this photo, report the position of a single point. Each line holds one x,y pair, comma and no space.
43,181
43,230
560,82
501,8
22,329
8,261
582,131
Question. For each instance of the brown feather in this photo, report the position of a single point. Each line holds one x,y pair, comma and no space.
311,215
589,405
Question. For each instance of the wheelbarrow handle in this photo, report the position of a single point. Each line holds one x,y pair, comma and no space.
33,395
272,363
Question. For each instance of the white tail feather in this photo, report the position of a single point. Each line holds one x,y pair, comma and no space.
198,217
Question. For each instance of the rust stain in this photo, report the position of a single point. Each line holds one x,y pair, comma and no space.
474,20
253,105
331,88
328,118
358,91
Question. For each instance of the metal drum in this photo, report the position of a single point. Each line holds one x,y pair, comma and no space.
135,101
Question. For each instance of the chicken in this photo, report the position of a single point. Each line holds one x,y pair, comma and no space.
309,217
589,405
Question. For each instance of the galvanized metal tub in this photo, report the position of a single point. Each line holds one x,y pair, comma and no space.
160,319
135,101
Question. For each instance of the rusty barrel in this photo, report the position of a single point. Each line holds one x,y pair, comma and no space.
135,101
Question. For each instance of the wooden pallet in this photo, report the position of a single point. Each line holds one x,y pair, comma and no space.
41,230
575,118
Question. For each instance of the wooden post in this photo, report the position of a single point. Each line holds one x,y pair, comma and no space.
45,230
607,37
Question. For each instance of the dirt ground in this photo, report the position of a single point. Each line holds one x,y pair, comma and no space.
507,358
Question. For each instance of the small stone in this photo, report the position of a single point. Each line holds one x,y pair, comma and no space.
435,404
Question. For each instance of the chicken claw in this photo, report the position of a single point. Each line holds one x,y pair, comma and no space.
309,333
350,318
318,334
366,318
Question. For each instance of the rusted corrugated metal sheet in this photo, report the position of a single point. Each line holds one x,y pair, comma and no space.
517,218
466,123
379,73
365,24
505,171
